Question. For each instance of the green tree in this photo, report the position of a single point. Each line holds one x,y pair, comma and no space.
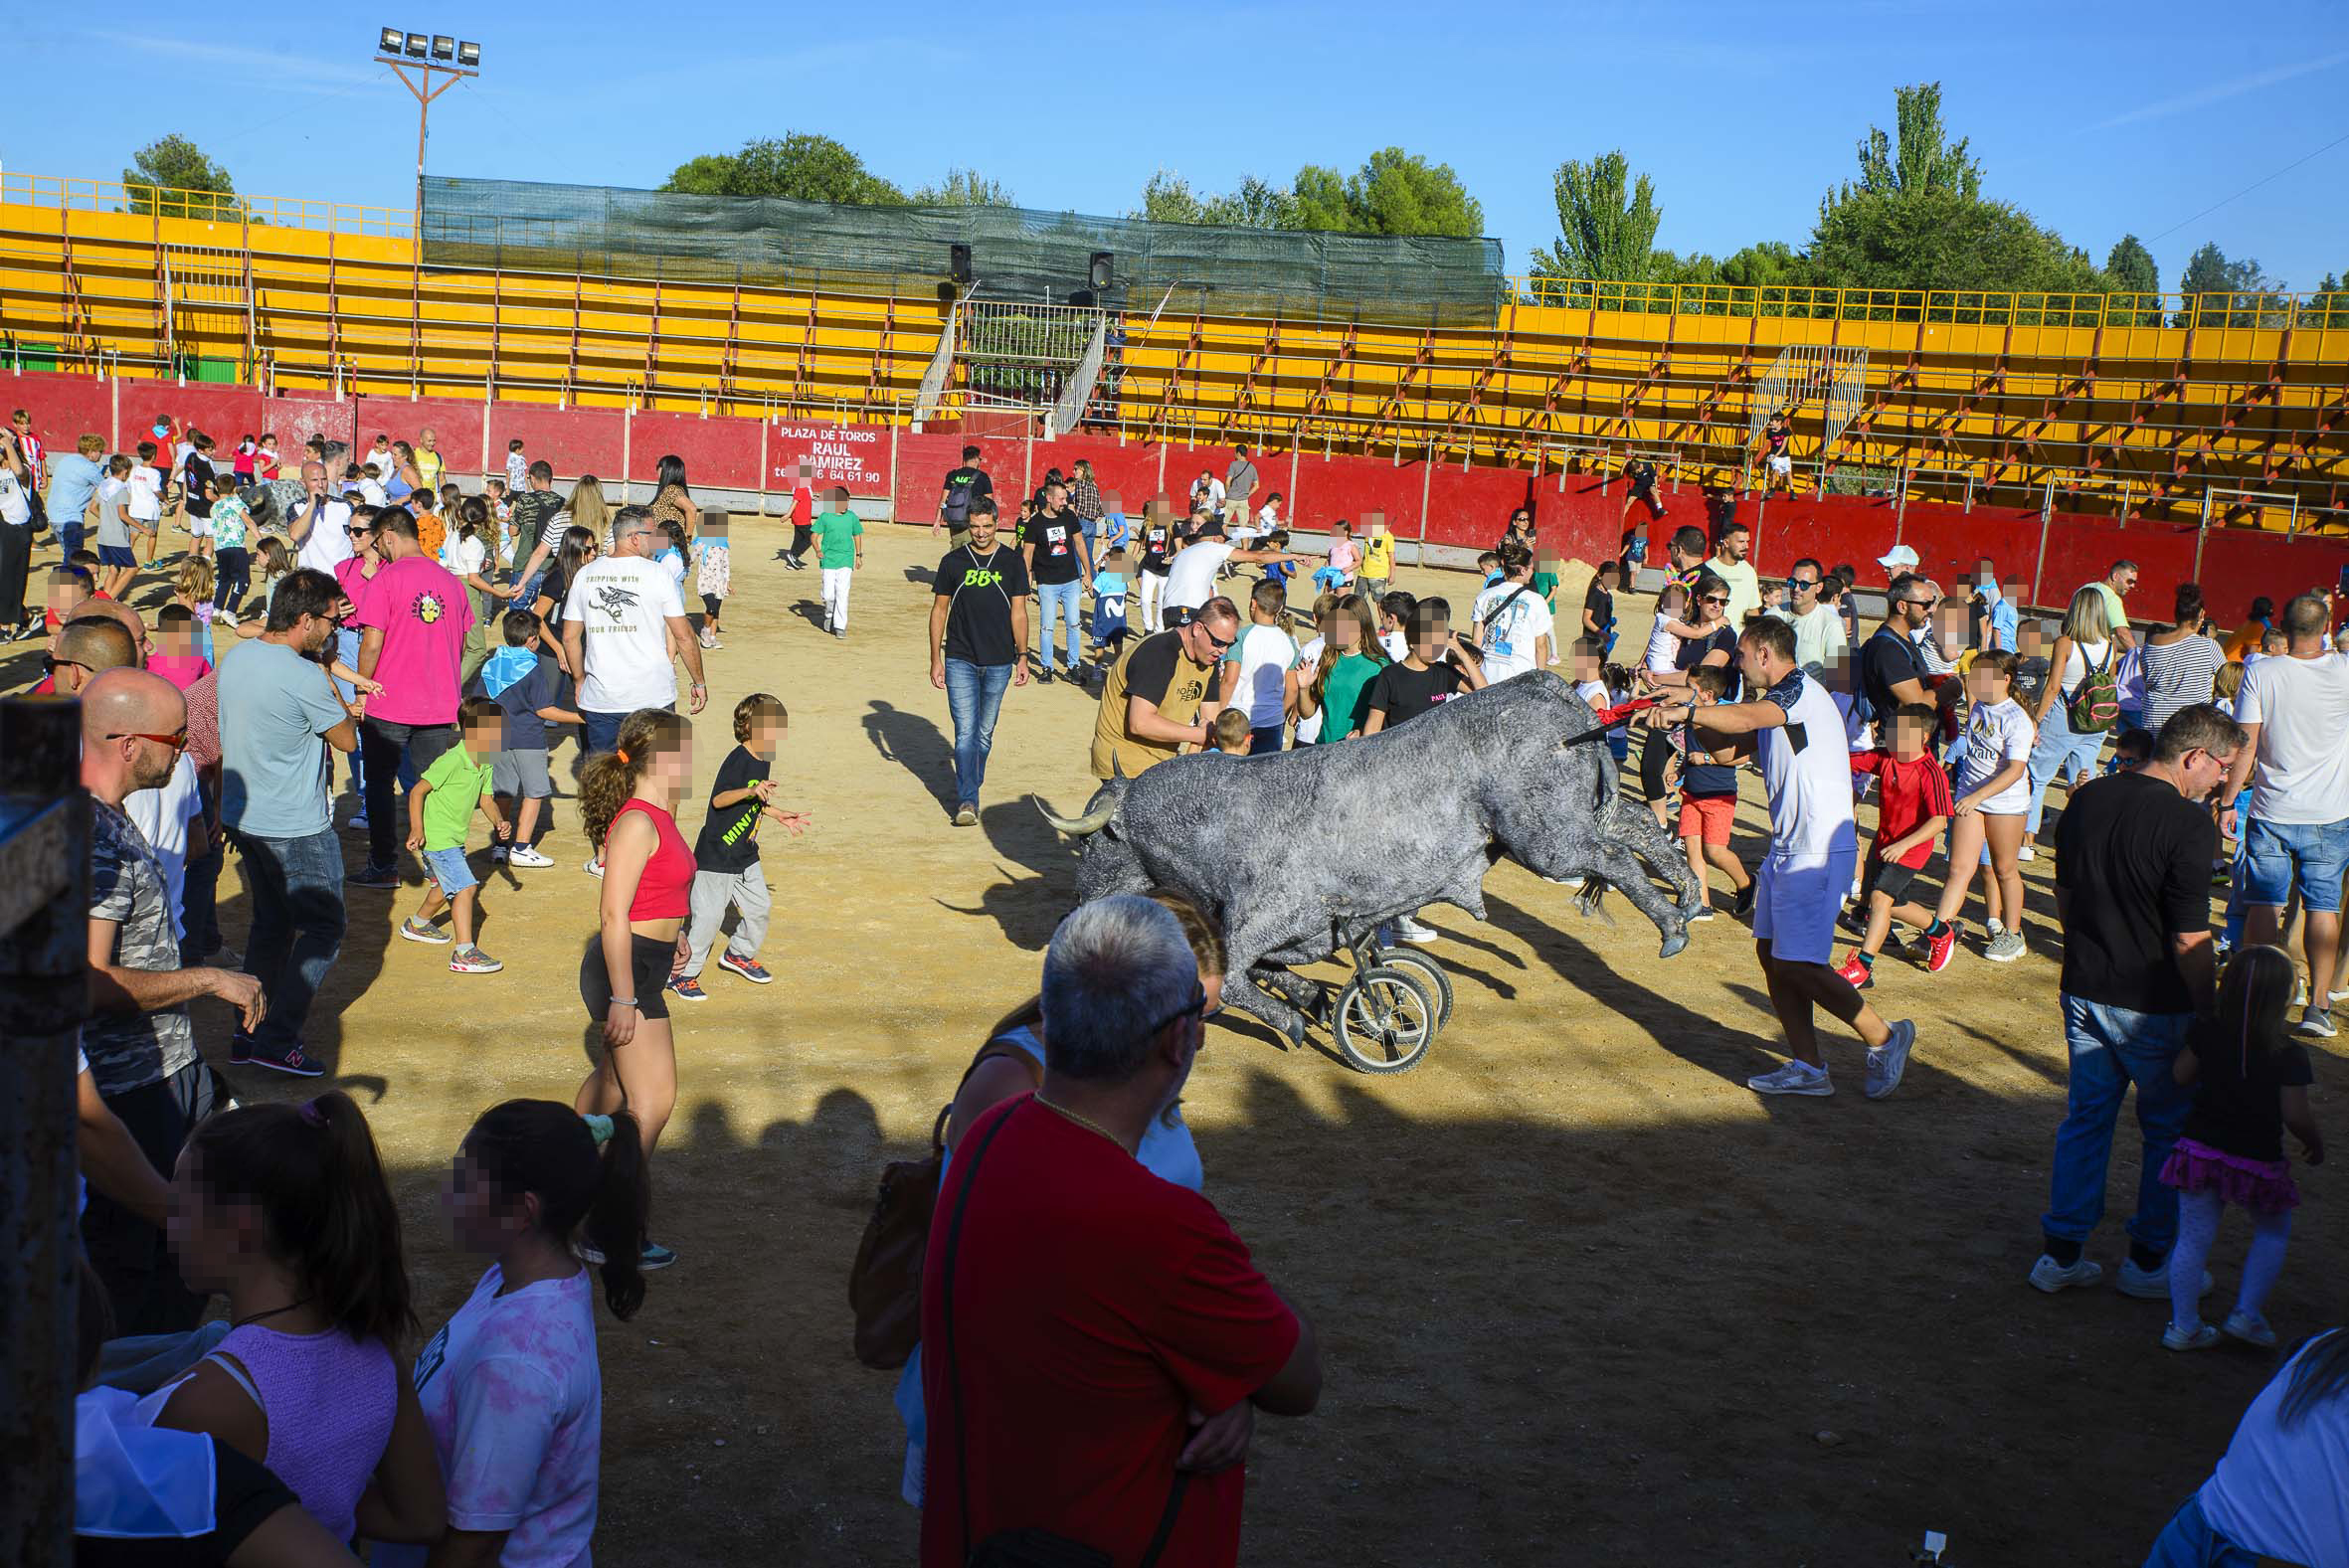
2257,299
2131,267
962,188
176,164
1317,200
1393,193
1401,193
1943,240
1917,159
1607,227
802,165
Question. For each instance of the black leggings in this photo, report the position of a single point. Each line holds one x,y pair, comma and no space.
234,568
1655,755
650,958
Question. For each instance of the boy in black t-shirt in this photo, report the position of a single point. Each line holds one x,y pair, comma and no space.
1435,669
726,855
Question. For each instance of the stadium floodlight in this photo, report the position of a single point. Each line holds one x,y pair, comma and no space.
469,54
444,46
388,40
428,64
419,46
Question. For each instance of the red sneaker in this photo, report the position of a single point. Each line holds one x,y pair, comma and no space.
1939,949
1858,974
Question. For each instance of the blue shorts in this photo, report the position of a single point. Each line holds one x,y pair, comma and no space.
2277,856
450,868
115,555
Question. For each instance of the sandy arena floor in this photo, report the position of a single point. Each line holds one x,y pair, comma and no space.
1583,1296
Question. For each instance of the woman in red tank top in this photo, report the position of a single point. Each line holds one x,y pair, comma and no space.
626,797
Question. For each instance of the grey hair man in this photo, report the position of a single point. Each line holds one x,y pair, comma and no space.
1163,1339
623,623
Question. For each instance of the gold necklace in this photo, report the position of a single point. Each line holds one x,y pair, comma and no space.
1083,1122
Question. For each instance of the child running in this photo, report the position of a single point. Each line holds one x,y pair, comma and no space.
726,869
285,1209
1914,806
232,527
713,575
440,809
2252,1081
840,535
511,1389
1157,551
1108,607
1993,795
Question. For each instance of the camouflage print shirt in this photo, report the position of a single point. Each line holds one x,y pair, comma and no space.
131,1050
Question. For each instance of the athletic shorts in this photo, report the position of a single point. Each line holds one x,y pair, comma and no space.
521,772
200,527
1890,878
1781,463
652,959
1796,905
2279,855
1707,816
115,555
450,869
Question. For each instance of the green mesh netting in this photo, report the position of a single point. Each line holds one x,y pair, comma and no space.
1016,253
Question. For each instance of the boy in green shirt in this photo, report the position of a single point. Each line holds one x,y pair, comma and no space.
840,534
440,809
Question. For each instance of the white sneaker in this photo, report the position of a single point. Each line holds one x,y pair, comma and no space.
227,617
2026,853
524,856
594,866
1792,1078
1408,929
2249,1328
1886,1062
357,823
2050,1275
2005,947
2153,1284
2319,1022
2200,1337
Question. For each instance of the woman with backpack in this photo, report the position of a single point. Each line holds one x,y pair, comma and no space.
2079,705
1011,1063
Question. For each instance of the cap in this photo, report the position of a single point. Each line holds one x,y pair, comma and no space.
1898,559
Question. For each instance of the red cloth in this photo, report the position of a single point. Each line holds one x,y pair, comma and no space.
665,891
1094,1306
1910,795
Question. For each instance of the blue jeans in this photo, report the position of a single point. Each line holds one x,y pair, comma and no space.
974,695
2190,1540
1061,598
347,651
600,731
200,903
2280,856
2112,1048
298,924
2058,748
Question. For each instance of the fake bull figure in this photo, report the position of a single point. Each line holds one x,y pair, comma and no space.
1298,856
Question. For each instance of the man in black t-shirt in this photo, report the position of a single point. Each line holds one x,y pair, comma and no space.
2133,891
1890,673
1062,565
977,645
964,486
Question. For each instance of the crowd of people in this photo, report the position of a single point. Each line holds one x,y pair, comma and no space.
444,644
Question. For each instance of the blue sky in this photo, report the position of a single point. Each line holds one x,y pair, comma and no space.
2098,118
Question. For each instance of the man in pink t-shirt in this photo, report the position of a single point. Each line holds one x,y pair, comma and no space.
412,616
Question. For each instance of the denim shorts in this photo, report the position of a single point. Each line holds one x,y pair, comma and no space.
450,868
2276,855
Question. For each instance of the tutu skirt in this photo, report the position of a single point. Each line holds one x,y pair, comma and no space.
2264,1186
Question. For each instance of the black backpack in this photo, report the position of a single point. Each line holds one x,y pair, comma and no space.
958,485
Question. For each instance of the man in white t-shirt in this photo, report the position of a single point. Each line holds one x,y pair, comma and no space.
1818,626
1190,579
1797,731
1731,565
1511,622
623,619
319,524
2294,707
1260,671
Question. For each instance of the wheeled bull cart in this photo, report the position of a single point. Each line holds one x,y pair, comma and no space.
1384,1016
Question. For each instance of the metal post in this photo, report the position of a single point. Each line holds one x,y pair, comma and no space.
44,989
2047,512
1426,480
2202,531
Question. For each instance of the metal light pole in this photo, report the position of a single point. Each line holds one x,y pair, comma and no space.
424,56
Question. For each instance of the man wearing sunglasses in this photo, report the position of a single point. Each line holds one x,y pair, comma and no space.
1156,698
1892,670
1818,627
140,1042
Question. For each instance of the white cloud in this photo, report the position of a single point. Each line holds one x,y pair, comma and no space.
2220,90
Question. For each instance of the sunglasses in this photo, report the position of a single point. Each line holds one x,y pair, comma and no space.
178,741
356,533
1919,604
1219,645
1715,599
1198,1005
1800,583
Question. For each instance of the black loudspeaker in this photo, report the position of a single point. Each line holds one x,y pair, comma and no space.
959,263
1098,274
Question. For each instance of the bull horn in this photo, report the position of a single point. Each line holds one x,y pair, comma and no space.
1077,828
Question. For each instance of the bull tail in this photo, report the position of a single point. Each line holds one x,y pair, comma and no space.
1091,822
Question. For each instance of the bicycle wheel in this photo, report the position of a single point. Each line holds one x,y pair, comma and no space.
1429,973
1385,1020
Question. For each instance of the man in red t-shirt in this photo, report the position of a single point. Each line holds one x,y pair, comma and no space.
1914,806
1095,1340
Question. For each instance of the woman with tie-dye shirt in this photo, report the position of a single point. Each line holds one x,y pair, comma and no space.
510,1388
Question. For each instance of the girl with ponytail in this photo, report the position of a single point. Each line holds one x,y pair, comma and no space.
285,1209
510,1388
626,798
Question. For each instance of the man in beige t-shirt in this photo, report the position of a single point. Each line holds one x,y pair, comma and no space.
1159,696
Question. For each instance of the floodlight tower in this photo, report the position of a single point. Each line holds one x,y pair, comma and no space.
428,55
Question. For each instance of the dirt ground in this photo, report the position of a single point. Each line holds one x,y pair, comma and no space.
1583,1298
